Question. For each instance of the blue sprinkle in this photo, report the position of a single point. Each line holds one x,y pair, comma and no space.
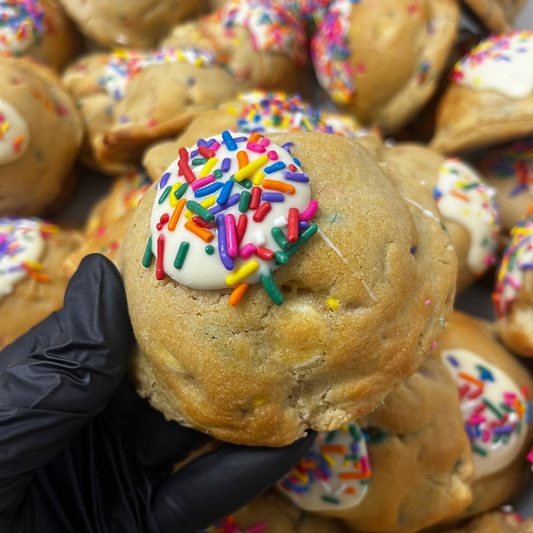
272,197
453,361
275,167
230,143
231,202
226,163
288,146
224,194
297,161
164,180
413,250
484,374
206,191
436,194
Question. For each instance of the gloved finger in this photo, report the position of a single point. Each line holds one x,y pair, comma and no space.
218,483
79,358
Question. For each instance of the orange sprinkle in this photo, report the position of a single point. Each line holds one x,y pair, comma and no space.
354,475
41,278
468,377
349,490
205,235
333,449
274,185
518,408
255,138
308,464
460,195
242,158
238,293
176,215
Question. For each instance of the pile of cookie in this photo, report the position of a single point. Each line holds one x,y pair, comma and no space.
298,190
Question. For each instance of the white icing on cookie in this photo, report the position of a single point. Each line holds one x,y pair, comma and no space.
21,244
21,22
495,412
275,167
501,63
333,475
463,198
14,134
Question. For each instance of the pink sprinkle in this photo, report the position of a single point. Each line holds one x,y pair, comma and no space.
254,147
433,345
101,231
215,147
486,436
152,122
364,464
360,68
247,250
265,142
231,236
272,155
514,284
321,475
530,456
427,302
309,213
475,419
198,184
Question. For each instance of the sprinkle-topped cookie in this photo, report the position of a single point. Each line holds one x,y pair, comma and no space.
22,22
228,213
123,65
465,199
495,410
517,259
501,63
333,475
22,245
330,52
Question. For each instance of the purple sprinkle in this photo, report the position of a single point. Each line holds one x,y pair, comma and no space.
231,202
287,146
355,448
302,225
227,261
240,139
453,361
272,197
226,164
503,429
211,142
164,180
123,119
470,432
191,82
201,142
295,176
194,153
413,250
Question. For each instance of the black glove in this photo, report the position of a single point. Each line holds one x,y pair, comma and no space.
80,451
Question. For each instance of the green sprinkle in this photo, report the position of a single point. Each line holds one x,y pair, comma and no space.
492,407
247,184
507,408
244,201
180,191
281,258
272,289
518,427
329,499
330,436
209,249
351,457
379,437
478,450
165,194
364,481
218,174
305,235
505,438
201,211
198,161
182,253
148,255
354,432
276,120
280,238
469,186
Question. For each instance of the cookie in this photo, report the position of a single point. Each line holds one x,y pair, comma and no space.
130,23
497,15
403,467
106,227
494,389
255,111
497,522
490,97
41,134
39,29
131,99
467,206
32,252
513,291
383,60
259,43
372,276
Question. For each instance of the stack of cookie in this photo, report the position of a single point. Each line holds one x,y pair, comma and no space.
291,247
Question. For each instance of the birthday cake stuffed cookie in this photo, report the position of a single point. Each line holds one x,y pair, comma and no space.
282,283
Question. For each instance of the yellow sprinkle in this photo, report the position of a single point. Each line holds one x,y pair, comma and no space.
242,273
258,178
302,477
173,200
207,203
251,168
259,401
477,81
333,304
34,265
208,167
232,111
329,459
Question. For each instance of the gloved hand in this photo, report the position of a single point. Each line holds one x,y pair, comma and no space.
80,451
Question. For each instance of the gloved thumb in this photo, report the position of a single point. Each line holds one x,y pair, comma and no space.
59,375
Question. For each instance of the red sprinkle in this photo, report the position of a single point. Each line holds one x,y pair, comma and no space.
264,253
202,223
292,168
256,198
292,230
204,150
242,224
187,172
262,212
184,155
160,271
159,226
164,218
